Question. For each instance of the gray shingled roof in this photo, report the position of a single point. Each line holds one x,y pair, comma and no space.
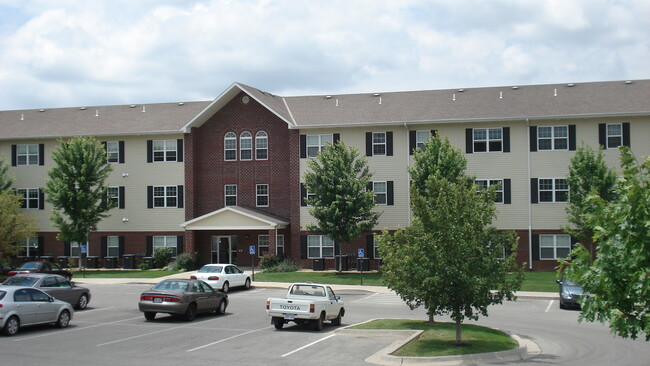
615,98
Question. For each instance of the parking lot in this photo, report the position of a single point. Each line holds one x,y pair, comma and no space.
112,330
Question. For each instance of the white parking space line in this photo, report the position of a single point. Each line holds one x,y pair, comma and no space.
77,313
142,335
308,345
75,329
549,306
367,297
226,339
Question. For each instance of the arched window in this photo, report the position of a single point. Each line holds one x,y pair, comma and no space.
246,146
261,146
230,146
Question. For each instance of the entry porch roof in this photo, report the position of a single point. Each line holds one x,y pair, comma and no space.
236,218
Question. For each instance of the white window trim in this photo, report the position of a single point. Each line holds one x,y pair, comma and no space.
554,190
168,146
115,198
232,137
26,198
30,245
258,195
167,241
320,247
607,135
385,144
259,136
375,247
418,133
320,145
260,239
114,151
489,183
165,196
555,246
249,137
27,155
487,140
377,193
110,246
553,138
226,195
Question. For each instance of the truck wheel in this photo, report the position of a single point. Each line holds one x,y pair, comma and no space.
318,323
337,320
278,323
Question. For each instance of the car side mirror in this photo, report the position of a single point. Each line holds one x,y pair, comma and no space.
50,299
337,298
558,281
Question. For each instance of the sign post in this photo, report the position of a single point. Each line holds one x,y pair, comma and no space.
361,253
251,251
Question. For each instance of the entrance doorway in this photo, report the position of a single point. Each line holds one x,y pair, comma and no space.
222,250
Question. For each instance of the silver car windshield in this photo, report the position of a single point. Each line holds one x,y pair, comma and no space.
210,269
171,286
20,281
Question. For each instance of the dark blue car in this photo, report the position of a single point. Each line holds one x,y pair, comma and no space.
570,293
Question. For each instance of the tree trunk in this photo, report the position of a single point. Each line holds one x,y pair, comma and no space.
458,333
430,314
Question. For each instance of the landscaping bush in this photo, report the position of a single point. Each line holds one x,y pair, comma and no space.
286,265
144,266
269,260
163,256
186,261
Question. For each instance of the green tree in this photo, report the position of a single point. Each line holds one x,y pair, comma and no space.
76,188
6,180
449,259
15,226
588,173
340,202
618,279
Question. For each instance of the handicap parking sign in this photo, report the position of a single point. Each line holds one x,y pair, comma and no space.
251,249
84,249
361,253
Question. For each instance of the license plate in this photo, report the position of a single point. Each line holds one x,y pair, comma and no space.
289,316
157,299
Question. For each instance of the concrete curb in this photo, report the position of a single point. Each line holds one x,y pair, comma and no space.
527,350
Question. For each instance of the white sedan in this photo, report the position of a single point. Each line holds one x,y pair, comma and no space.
223,276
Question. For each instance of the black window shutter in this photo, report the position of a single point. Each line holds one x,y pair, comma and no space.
303,195
104,246
120,250
574,241
121,198
179,150
179,244
336,138
572,137
368,143
507,192
41,154
370,246
66,248
121,152
533,138
626,134
337,248
370,187
303,246
179,196
469,141
303,146
389,193
535,247
149,196
41,199
602,134
434,133
13,155
41,248
149,248
412,141
506,139
104,145
389,143
149,151
533,191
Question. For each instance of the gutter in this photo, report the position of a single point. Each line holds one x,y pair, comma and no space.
530,205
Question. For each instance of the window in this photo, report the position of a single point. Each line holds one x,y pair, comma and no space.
375,247
165,242
230,146
113,246
27,154
113,194
261,146
320,246
305,196
262,195
230,191
30,197
279,244
165,150
487,139
485,183
165,196
553,137
29,247
614,135
554,246
553,190
379,143
74,249
262,245
246,146
113,151
421,138
316,144
381,193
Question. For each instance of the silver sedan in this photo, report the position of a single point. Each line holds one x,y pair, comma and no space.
23,306
55,285
181,297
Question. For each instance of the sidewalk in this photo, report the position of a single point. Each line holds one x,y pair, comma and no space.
259,284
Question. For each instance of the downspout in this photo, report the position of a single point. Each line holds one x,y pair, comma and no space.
530,206
408,177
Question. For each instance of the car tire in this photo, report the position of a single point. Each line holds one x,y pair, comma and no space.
64,319
247,284
149,315
83,302
318,323
226,287
190,313
562,306
278,323
221,308
338,319
11,326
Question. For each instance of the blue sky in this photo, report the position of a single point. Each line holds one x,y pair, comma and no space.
85,53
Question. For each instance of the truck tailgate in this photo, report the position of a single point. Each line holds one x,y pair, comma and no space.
280,307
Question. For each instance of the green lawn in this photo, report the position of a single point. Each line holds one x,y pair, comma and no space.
439,339
540,282
121,273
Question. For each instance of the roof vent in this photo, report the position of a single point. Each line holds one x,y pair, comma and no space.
83,108
328,97
500,94
515,87
245,99
628,82
555,92
22,116
132,106
376,95
144,109
571,85
41,110
96,112
461,90
181,103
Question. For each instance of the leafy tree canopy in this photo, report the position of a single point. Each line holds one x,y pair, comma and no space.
15,226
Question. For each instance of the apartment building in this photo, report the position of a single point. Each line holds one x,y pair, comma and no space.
219,177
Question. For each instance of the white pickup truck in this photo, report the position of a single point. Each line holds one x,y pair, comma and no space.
306,302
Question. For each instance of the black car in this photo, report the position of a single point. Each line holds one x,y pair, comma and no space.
570,293
42,267
5,269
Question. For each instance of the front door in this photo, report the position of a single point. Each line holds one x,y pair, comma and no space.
221,249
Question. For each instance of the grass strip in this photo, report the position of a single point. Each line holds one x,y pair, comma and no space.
121,274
